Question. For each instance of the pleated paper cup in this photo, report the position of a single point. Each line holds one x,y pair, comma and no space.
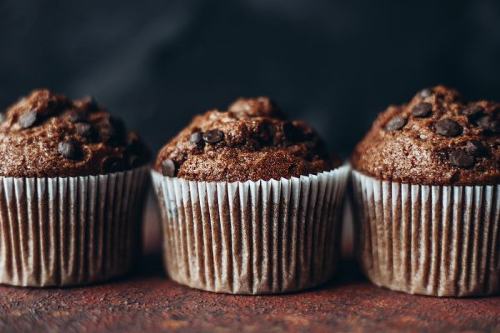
69,231
259,237
431,240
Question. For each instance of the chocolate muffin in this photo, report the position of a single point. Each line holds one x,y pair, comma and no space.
71,191
252,140
250,201
427,179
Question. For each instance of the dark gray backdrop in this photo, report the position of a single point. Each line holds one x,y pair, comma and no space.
333,63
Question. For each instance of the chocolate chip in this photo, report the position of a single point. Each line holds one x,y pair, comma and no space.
112,164
489,124
168,168
396,123
213,136
292,133
70,150
112,131
196,138
28,119
76,116
483,122
422,110
476,148
134,144
425,93
448,127
461,159
85,130
495,126
51,107
89,103
313,145
473,112
265,133
106,134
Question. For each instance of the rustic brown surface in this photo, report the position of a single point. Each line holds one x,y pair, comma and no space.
147,302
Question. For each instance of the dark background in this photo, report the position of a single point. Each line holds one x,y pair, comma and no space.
333,63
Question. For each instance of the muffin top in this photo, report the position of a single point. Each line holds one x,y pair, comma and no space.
49,135
435,139
252,140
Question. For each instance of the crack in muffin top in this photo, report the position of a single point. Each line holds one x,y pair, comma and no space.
49,135
252,140
435,139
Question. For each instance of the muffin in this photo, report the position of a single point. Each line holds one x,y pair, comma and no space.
250,202
71,192
426,180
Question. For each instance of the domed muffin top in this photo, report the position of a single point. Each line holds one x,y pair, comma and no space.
49,135
435,139
252,140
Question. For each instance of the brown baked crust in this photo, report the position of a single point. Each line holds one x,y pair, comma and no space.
49,135
252,140
444,142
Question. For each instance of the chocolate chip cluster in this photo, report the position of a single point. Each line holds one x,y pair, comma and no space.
251,131
291,135
452,119
198,139
79,131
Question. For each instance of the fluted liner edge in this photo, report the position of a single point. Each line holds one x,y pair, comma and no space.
252,237
71,230
431,240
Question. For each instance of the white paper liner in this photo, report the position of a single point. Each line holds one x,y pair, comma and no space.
431,240
252,237
69,231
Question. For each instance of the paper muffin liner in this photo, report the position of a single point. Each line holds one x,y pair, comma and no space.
251,237
431,240
71,230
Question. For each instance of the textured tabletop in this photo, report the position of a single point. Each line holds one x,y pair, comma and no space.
148,302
